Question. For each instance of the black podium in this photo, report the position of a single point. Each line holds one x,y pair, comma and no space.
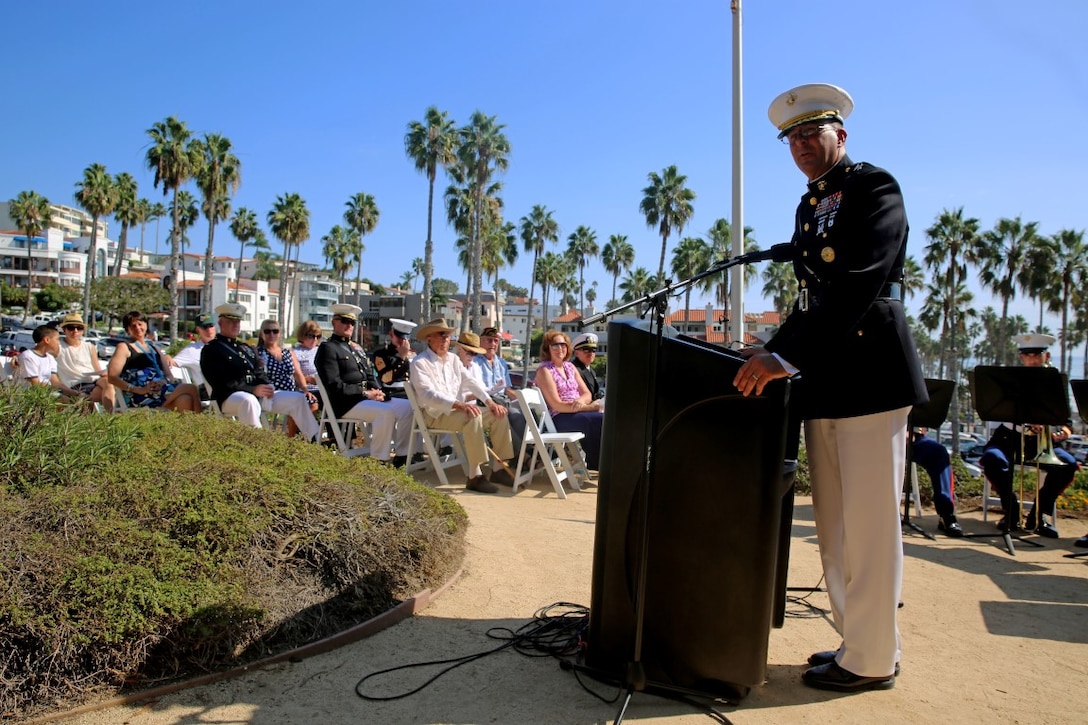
717,542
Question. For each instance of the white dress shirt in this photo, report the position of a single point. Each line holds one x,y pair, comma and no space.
441,382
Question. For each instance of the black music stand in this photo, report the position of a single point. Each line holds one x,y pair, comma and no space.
1080,394
925,415
1022,396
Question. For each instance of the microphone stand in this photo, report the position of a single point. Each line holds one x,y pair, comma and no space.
657,303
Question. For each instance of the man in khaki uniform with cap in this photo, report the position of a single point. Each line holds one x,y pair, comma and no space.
848,337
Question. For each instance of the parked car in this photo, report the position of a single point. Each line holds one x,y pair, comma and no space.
17,340
105,349
971,454
1079,449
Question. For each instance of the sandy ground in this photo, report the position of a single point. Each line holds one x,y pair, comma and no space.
987,638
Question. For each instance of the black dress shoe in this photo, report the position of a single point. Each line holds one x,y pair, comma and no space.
1029,522
1047,530
399,461
833,677
825,658
950,527
1082,542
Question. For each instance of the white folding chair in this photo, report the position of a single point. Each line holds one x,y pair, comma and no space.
547,444
342,430
431,443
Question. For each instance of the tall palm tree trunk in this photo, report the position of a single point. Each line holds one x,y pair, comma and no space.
206,291
428,255
175,269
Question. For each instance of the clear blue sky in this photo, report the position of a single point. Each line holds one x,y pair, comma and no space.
973,103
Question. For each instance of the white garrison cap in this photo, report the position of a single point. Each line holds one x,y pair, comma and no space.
346,312
584,341
807,103
1034,341
403,327
231,310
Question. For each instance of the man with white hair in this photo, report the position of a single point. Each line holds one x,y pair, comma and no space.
439,381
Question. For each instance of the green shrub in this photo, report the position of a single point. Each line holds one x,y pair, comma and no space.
149,546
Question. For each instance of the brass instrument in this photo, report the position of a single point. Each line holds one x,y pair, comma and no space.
1046,456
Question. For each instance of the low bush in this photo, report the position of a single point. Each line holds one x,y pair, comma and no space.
144,547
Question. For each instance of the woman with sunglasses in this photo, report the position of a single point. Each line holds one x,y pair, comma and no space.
284,372
305,351
569,401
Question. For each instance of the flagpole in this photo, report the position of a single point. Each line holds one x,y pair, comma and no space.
736,288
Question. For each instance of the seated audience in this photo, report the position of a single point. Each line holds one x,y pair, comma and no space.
240,383
585,352
467,347
189,356
305,351
569,401
38,364
439,381
141,372
78,365
354,392
283,370
392,363
497,381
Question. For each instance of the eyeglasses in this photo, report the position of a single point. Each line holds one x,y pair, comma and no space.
350,323
270,332
558,344
312,337
73,328
804,134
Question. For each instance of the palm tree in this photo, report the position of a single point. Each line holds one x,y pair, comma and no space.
31,213
1036,277
144,211
174,160
361,217
500,249
780,284
430,144
954,241
247,230
1001,255
591,293
617,257
156,211
419,267
187,214
218,176
691,256
1072,253
289,221
339,251
484,150
666,204
537,228
127,212
721,247
98,195
913,277
581,247
636,284
551,268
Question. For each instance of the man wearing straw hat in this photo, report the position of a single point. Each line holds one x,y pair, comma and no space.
439,380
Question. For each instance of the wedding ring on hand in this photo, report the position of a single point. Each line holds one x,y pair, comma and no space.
754,376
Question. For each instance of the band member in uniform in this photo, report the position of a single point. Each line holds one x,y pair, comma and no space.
585,352
354,392
240,383
1002,452
848,337
392,362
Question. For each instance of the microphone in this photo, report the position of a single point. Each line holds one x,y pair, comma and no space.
777,253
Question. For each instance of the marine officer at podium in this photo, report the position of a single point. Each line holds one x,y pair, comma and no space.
847,336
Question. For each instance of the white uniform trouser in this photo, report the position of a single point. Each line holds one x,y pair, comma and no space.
393,417
857,467
247,407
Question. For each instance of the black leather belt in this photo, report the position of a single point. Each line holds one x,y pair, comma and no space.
808,301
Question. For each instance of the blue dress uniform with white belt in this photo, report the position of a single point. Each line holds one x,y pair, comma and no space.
848,338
